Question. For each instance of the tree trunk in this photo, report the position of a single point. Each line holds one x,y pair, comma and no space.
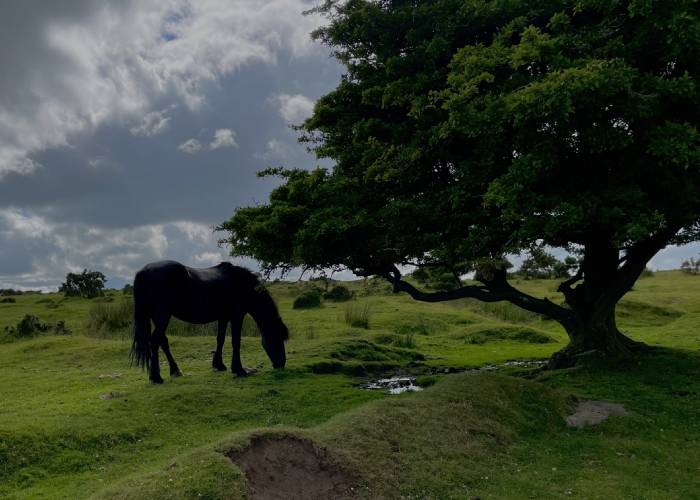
593,331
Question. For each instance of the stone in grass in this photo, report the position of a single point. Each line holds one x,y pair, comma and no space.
594,412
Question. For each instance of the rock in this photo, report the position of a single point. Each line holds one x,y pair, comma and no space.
594,412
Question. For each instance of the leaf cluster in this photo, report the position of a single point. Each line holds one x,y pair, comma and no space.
465,130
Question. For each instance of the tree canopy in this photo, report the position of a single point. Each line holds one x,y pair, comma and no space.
462,131
88,284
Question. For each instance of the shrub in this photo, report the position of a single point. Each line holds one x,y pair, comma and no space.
358,316
60,328
338,293
29,326
7,300
308,300
128,289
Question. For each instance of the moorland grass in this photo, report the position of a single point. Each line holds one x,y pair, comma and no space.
76,420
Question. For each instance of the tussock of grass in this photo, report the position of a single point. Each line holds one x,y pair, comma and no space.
358,316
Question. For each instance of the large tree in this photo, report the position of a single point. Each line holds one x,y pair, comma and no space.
465,130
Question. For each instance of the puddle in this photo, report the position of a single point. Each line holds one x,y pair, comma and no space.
394,385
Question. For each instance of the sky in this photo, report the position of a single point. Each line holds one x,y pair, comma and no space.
130,128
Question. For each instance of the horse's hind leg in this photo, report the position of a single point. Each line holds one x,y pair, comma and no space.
217,361
161,325
154,375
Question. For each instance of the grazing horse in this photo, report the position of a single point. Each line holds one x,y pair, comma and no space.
223,293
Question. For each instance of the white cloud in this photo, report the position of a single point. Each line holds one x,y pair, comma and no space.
224,138
293,108
191,146
153,123
77,66
274,150
117,252
209,258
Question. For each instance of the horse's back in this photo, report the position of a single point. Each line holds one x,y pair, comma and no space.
197,295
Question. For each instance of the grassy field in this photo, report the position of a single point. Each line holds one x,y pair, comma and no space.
76,421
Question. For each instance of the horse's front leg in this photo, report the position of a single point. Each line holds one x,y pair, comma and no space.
236,326
218,362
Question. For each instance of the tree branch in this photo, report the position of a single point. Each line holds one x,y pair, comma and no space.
495,290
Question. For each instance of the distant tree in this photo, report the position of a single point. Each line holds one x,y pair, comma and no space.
467,130
691,266
87,284
128,289
543,265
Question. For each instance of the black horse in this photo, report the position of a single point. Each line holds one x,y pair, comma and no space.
223,293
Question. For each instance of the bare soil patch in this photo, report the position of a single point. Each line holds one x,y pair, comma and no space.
291,468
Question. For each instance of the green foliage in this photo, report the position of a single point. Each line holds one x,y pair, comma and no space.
543,265
8,300
464,131
358,316
440,279
308,300
128,289
87,284
338,293
29,326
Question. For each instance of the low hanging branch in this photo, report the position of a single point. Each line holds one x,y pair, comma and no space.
495,288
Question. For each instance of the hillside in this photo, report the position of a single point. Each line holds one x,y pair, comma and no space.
77,421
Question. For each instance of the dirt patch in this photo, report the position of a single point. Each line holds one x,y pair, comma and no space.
291,468
594,412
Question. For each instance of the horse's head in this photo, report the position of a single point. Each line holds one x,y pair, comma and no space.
273,331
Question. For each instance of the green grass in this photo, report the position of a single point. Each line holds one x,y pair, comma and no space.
76,421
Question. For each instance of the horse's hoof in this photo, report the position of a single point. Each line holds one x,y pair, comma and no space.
176,374
244,372
158,380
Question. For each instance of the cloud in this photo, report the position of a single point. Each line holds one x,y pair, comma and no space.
78,65
191,146
274,150
293,108
153,123
224,138
118,253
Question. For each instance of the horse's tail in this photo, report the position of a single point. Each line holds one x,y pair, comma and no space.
141,347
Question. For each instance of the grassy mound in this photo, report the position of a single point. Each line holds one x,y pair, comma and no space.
359,357
440,443
637,313
481,335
